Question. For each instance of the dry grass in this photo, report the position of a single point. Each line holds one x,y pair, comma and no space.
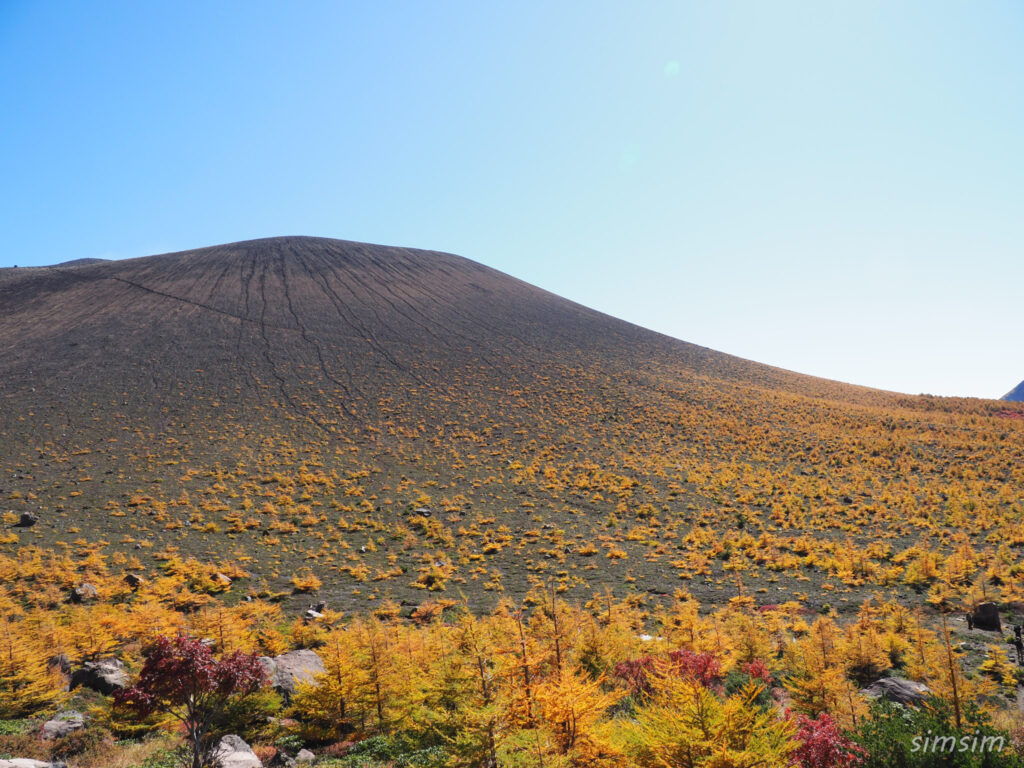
125,756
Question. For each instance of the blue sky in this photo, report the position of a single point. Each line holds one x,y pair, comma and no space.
832,188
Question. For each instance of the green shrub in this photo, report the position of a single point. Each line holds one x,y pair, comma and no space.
290,743
736,679
14,727
249,717
905,737
400,751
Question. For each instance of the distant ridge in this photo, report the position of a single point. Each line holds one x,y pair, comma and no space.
80,262
73,263
1016,394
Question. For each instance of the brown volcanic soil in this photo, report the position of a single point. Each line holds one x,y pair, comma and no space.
188,399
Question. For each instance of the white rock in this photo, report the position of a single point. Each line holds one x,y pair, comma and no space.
289,669
233,752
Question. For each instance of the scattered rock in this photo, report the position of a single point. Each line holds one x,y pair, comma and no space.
968,646
105,676
985,617
312,615
22,762
897,689
63,724
83,593
222,580
319,607
289,669
233,752
28,519
134,581
305,756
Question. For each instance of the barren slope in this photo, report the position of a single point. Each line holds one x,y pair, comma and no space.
320,328
289,402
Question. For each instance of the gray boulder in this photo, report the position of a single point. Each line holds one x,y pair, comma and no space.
897,689
233,752
63,724
289,669
305,756
105,676
84,593
24,762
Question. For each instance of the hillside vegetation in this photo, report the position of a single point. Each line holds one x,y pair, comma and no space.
244,430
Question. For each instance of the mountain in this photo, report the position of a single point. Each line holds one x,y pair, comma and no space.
395,422
322,329
1016,394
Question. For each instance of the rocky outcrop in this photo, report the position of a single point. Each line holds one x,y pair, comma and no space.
233,752
897,689
289,669
24,762
105,676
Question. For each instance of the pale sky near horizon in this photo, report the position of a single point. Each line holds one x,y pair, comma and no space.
833,188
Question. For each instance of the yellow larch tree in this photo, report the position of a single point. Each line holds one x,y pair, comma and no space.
27,684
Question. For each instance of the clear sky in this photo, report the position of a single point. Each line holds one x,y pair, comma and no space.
834,188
